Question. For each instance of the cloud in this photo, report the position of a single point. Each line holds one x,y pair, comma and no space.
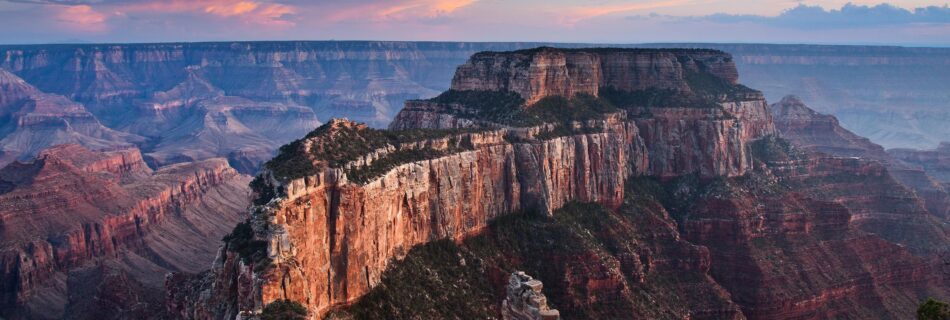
398,10
86,12
80,16
849,16
574,15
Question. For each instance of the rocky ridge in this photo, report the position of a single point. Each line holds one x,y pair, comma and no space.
691,192
33,120
816,132
488,173
74,218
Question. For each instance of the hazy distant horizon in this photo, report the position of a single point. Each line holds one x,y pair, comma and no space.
80,42
918,23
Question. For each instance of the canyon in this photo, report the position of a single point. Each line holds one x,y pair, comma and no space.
166,135
661,189
92,233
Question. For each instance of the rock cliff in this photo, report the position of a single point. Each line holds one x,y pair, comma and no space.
73,218
543,72
636,191
817,132
327,236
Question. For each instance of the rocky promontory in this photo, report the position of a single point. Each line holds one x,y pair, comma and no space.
669,157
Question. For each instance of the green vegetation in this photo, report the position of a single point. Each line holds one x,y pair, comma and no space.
241,240
264,191
711,87
933,310
494,106
773,149
508,108
337,146
654,98
605,50
555,109
284,310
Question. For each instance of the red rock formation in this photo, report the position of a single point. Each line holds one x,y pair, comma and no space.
543,72
39,120
817,132
822,238
71,207
324,237
936,162
331,238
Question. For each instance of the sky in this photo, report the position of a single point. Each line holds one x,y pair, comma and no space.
899,22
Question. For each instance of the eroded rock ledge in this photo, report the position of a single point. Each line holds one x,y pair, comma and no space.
525,300
322,237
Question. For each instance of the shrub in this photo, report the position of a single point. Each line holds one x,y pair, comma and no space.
241,240
284,310
933,310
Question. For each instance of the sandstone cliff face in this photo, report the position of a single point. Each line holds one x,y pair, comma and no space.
543,72
822,133
72,206
749,211
329,238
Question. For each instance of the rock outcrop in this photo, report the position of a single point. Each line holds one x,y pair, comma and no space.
525,300
329,236
34,120
74,218
543,72
816,132
690,190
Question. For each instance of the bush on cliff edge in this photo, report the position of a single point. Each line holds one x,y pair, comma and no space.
933,310
284,310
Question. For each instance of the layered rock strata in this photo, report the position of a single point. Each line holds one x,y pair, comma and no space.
32,120
329,237
543,72
816,132
72,208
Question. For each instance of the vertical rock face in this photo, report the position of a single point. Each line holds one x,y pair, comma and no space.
543,72
330,237
822,133
71,207
525,300
338,207
936,162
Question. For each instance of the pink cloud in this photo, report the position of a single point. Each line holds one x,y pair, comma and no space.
232,9
400,10
81,17
575,15
247,11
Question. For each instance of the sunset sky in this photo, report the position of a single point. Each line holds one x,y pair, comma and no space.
911,22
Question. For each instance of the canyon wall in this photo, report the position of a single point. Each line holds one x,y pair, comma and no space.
327,239
543,72
72,209
816,132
